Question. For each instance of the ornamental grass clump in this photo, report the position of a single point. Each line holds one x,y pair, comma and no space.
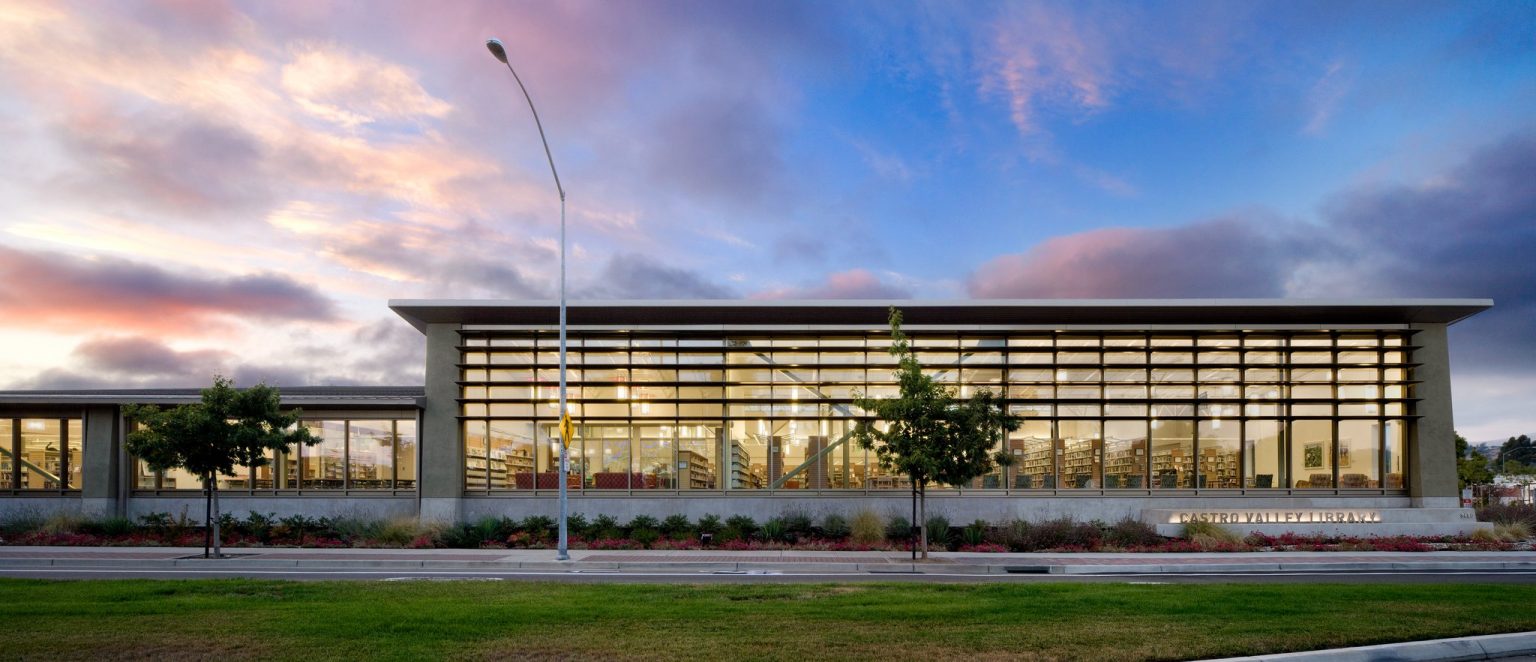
867,528
1512,531
1210,536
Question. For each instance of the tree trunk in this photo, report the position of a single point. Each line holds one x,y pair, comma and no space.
207,514
218,548
912,539
922,511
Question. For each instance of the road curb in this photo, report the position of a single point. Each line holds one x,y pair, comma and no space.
1486,647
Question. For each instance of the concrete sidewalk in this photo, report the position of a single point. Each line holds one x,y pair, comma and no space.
788,562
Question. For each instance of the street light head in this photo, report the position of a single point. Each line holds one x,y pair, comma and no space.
497,49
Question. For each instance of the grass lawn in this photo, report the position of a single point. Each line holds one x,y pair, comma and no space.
248,619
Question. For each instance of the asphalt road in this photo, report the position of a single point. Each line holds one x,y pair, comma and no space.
709,577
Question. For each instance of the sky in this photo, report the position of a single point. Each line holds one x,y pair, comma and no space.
239,187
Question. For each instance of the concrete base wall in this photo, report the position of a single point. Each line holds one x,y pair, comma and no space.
14,508
959,510
362,508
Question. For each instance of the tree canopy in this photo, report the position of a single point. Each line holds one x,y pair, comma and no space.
228,428
926,432
1471,466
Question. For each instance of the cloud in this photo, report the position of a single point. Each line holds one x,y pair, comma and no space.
850,284
337,85
1467,232
1324,97
165,161
1217,258
632,276
132,362
54,290
1041,56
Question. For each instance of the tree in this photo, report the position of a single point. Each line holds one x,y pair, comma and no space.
928,434
230,427
1519,449
1471,466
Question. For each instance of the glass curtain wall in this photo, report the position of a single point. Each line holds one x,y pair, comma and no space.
355,454
1102,411
41,453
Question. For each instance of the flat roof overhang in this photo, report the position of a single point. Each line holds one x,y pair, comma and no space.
747,312
337,397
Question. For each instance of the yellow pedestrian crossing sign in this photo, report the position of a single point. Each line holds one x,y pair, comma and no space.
567,430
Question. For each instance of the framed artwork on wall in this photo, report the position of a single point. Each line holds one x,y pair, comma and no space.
1312,455
1343,455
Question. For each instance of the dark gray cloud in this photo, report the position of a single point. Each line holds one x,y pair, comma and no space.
631,276
132,362
148,358
54,289
1468,232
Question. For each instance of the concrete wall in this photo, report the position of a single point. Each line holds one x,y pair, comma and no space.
959,509
1432,481
240,506
442,453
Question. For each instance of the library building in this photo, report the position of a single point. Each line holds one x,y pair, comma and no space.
1267,415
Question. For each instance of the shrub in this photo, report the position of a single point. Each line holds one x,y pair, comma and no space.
898,529
260,526
1130,532
20,523
834,527
1061,533
797,524
975,534
645,536
745,526
867,528
677,527
459,536
296,526
604,526
1508,513
108,526
642,522
577,524
709,524
774,530
938,529
541,528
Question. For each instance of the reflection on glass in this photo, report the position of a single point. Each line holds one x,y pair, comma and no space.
371,455
1359,454
1173,450
405,454
42,464
1034,462
1125,454
1219,454
1078,452
1265,463
322,463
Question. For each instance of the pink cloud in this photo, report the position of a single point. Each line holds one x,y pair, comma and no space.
1209,259
56,291
850,284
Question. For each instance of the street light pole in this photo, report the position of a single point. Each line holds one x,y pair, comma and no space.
501,54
